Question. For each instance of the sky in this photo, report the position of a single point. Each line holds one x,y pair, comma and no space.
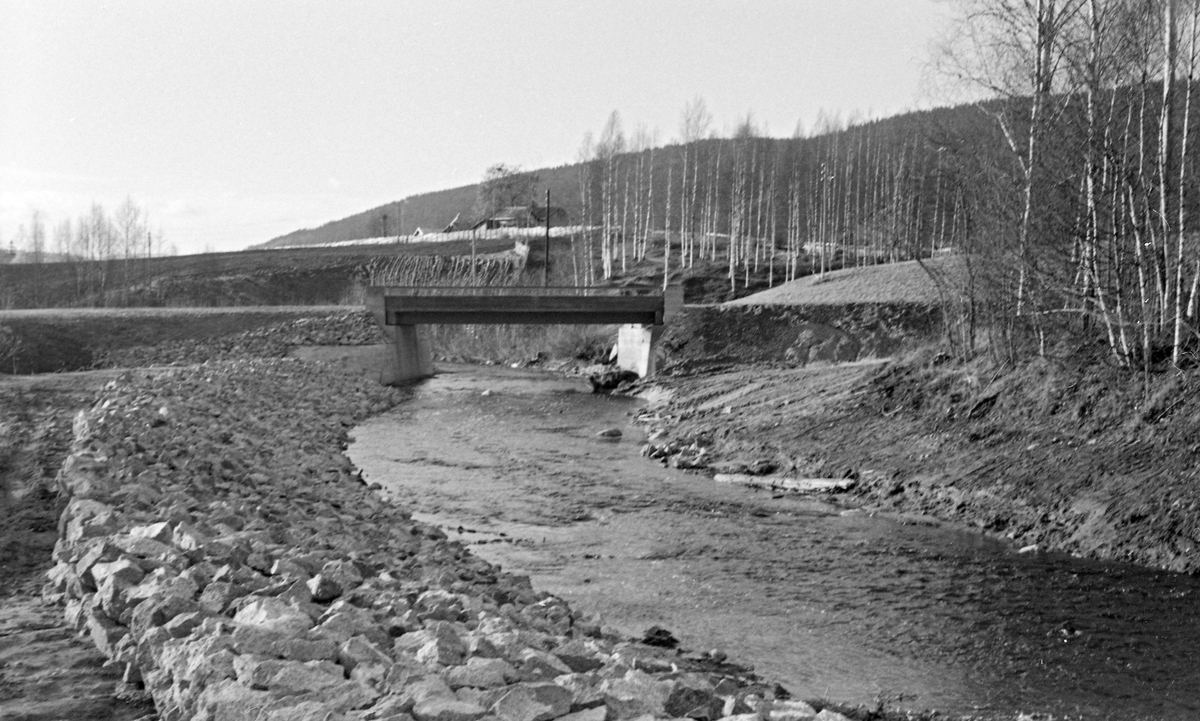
234,121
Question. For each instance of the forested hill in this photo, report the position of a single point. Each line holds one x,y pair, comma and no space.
876,148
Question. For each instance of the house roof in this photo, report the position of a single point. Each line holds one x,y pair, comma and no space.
527,215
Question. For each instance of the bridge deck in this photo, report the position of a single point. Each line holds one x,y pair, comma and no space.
541,306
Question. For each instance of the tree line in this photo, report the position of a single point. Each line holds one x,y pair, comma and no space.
872,192
100,250
1067,193
1086,231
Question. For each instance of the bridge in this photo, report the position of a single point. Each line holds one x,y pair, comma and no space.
404,311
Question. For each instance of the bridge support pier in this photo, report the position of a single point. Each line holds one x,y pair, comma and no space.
407,352
635,348
407,356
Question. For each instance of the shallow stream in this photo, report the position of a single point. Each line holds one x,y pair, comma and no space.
829,601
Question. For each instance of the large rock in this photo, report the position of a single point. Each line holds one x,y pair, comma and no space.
274,614
121,572
282,644
482,673
104,632
533,702
158,611
344,621
288,678
447,709
365,661
693,697
440,644
536,665
636,694
229,701
580,656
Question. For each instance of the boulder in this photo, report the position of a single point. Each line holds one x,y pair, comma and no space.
281,644
536,665
579,656
161,532
275,615
323,588
283,678
533,702
635,694
481,673
122,572
447,709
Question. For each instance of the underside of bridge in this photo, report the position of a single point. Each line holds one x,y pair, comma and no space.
404,312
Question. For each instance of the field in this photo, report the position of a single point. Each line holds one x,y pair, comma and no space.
301,276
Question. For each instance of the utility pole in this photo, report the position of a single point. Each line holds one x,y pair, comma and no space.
546,269
385,225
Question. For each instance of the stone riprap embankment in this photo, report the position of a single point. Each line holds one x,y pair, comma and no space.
217,543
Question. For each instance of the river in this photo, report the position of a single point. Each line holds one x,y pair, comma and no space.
827,600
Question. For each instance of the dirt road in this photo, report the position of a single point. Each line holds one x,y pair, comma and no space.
46,672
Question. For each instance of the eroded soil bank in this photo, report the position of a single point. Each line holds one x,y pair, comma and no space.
828,600
1066,458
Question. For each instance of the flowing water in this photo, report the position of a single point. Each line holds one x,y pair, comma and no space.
831,602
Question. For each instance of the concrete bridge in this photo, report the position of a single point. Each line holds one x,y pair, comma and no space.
403,313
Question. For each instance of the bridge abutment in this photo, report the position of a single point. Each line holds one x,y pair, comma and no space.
635,348
408,355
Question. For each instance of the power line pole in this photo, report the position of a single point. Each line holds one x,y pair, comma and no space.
546,269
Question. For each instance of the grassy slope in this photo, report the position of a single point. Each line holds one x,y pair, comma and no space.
907,282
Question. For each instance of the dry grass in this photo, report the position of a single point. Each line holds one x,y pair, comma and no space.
906,282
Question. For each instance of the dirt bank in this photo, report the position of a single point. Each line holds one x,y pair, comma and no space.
54,341
46,672
790,335
1057,456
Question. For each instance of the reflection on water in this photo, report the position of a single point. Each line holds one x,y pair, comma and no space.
831,603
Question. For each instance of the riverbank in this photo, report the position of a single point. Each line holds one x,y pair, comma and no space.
1049,456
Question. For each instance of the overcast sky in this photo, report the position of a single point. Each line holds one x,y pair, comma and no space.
234,121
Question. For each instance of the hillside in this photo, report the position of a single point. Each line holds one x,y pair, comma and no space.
708,171
430,212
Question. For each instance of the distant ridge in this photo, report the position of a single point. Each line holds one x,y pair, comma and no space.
431,212
962,129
